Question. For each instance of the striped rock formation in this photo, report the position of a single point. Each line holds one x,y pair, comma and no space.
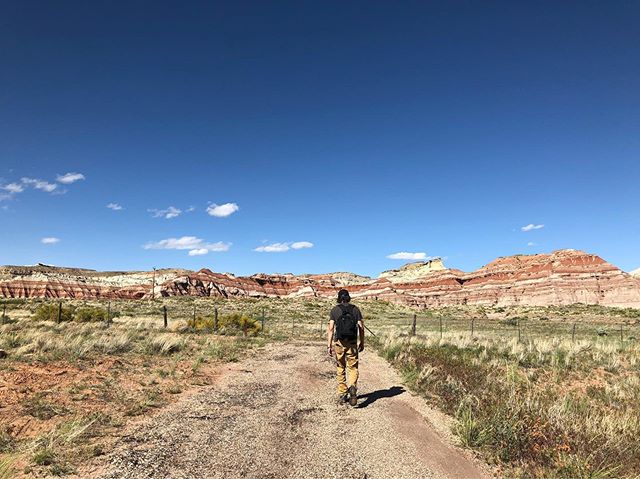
559,278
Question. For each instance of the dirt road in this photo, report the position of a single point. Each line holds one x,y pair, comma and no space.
275,416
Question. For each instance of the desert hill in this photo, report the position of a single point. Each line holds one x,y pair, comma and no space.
558,278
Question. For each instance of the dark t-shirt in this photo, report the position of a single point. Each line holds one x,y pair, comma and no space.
336,313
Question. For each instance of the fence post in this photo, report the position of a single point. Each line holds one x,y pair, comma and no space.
262,320
164,315
440,318
215,319
194,314
4,312
621,335
59,312
109,312
413,325
472,325
573,333
293,324
519,334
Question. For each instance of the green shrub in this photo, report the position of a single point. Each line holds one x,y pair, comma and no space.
44,457
7,441
471,431
91,314
510,321
49,312
202,323
240,322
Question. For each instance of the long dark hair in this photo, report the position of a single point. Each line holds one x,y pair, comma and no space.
343,296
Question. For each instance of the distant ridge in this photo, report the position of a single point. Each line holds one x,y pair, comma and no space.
558,278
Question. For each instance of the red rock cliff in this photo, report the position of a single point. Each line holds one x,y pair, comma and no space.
562,277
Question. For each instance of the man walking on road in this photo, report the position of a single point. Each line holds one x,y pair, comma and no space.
345,326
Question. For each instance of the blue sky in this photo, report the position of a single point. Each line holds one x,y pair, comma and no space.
352,131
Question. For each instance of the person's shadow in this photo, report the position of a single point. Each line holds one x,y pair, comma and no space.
373,396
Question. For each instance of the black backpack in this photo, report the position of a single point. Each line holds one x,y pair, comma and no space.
347,325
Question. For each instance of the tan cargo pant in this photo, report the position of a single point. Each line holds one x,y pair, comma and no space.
347,364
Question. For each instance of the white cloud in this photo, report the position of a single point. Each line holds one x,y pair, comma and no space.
198,252
43,185
50,240
301,245
409,256
531,243
39,184
282,247
273,248
69,178
13,188
170,212
222,211
531,226
114,206
192,243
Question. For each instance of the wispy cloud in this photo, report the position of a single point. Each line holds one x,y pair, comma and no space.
13,188
282,247
39,184
69,178
409,256
273,248
531,227
195,245
25,182
114,206
170,212
50,240
531,243
301,245
222,211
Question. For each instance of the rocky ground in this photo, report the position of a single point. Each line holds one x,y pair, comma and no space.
275,415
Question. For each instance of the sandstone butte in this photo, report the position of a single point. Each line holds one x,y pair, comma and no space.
559,278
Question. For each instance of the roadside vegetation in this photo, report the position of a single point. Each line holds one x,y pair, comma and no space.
71,386
539,392
536,408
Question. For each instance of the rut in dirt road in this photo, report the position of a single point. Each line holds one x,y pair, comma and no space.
275,416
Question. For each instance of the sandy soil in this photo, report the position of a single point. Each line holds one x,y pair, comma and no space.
275,415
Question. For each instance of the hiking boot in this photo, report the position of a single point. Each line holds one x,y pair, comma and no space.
353,397
343,399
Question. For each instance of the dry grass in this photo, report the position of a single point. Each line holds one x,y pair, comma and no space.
538,409
73,385
544,406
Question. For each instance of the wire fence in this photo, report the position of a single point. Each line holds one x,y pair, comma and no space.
281,320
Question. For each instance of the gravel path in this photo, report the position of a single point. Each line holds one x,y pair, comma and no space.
275,416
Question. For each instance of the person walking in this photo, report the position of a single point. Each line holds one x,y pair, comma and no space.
345,328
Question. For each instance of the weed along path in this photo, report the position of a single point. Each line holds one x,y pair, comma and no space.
275,416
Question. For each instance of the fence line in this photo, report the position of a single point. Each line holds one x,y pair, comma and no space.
621,330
